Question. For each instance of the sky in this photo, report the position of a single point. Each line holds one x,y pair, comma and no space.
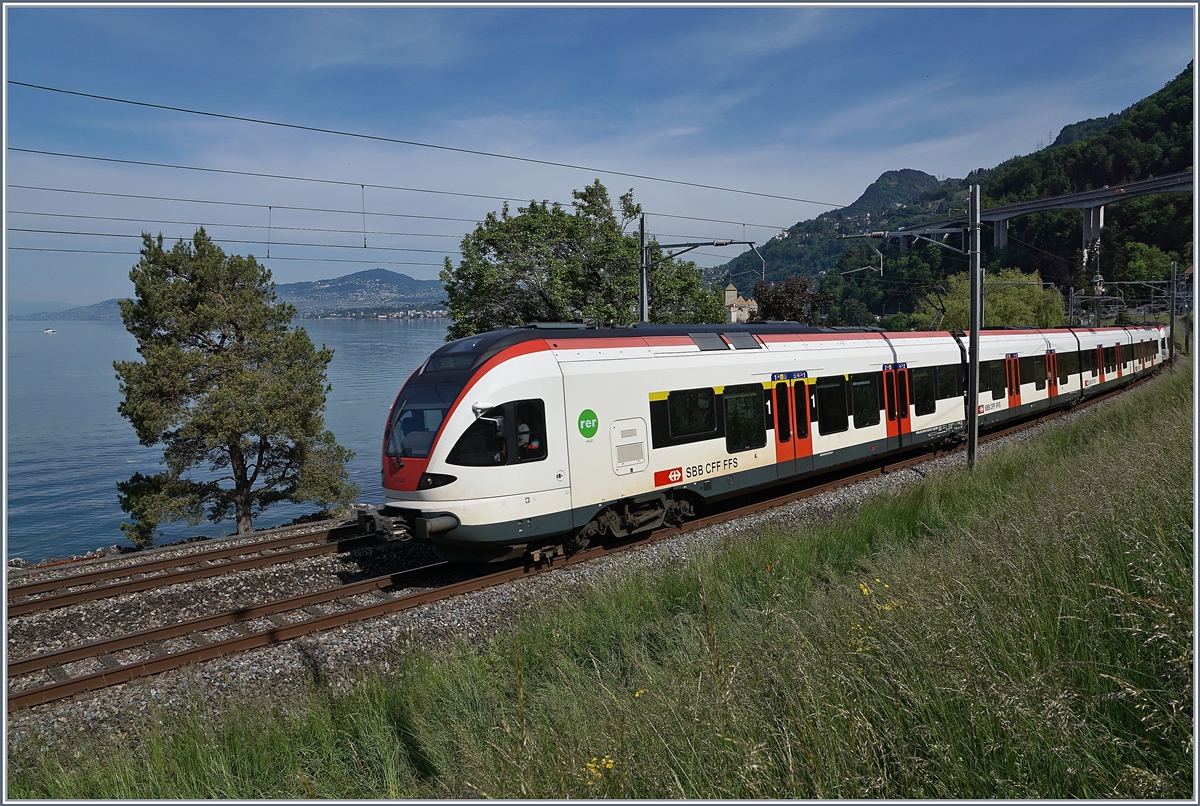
807,102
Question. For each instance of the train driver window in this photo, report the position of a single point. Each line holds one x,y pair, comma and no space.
745,427
484,443
832,414
530,416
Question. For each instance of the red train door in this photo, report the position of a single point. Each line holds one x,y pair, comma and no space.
1012,372
1052,373
1119,372
897,404
785,427
793,440
1100,362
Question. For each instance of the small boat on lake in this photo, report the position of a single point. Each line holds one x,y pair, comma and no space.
51,330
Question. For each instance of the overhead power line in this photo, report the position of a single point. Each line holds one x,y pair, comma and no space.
354,212
261,175
236,240
238,226
307,259
416,143
240,204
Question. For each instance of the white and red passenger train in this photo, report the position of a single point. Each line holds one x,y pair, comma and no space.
549,437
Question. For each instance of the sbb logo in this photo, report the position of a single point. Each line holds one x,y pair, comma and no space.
672,476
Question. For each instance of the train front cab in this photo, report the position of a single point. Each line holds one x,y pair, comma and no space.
475,456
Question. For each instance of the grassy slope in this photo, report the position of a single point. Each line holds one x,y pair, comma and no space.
1025,632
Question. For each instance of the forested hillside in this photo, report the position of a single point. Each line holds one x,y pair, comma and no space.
1141,236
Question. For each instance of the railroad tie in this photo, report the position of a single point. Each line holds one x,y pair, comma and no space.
241,627
314,611
108,661
199,638
381,594
155,648
346,603
278,620
58,674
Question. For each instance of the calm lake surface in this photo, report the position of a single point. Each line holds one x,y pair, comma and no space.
67,447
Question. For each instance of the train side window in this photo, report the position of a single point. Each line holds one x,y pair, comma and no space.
1028,371
998,383
949,382
924,386
1068,365
831,405
783,413
865,393
484,443
530,417
692,412
745,426
1039,372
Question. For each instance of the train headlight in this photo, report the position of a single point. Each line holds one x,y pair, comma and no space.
430,480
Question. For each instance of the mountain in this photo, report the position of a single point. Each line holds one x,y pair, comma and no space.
373,289
1086,128
22,308
1152,137
895,188
810,248
101,311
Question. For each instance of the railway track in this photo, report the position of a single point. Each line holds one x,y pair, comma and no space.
62,673
35,597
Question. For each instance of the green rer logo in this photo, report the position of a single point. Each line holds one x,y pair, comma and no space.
589,423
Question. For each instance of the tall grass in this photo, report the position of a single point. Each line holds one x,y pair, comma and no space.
1024,631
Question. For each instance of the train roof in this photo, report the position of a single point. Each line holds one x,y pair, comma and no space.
458,360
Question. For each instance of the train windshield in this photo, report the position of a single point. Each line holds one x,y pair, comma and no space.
418,413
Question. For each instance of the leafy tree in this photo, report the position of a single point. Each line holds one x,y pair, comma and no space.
1025,302
855,313
793,300
225,385
1145,262
547,265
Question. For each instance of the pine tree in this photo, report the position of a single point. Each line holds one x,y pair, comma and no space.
234,395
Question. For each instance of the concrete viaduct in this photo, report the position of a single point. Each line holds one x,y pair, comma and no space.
1090,201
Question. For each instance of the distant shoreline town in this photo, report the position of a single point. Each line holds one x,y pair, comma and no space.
376,313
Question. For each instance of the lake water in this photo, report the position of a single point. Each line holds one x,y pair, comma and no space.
67,447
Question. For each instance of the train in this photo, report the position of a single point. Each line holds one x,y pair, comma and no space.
538,441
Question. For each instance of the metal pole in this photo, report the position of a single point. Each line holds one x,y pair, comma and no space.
1171,353
1071,306
644,281
976,324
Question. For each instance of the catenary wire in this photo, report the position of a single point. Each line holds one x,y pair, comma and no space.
307,259
240,204
239,226
236,240
356,212
260,175
418,144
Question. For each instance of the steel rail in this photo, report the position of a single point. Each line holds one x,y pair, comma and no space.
188,568
284,630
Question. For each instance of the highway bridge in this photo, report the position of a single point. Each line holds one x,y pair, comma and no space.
1090,201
